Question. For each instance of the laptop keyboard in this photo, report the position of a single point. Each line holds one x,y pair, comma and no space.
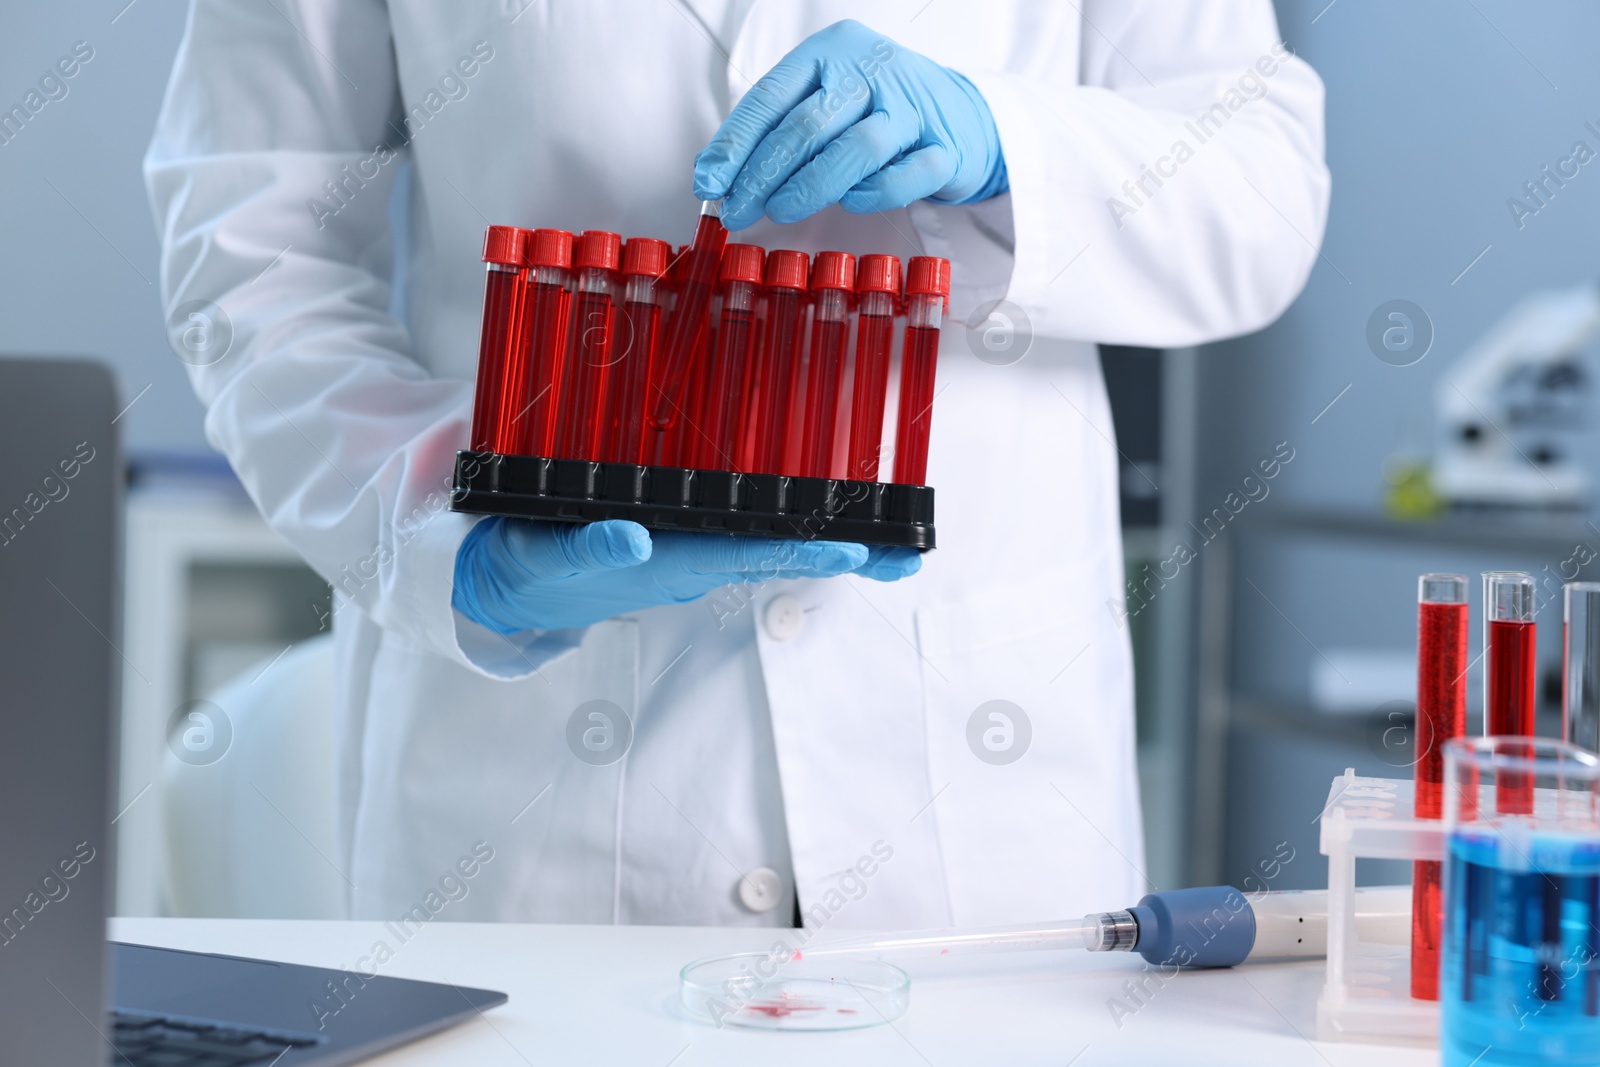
161,1041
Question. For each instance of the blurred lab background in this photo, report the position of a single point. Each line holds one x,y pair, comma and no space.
1415,411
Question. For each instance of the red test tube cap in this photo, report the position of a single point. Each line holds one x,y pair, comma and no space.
833,270
878,274
505,244
927,276
741,263
598,249
646,256
787,269
550,248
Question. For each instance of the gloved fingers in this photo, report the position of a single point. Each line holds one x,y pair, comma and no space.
737,558
890,563
758,112
857,153
916,177
549,551
796,140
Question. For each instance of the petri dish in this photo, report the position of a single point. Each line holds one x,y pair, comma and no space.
755,989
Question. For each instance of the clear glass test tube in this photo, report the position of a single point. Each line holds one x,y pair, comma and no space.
1580,662
499,356
927,292
528,407
832,284
777,372
1441,716
877,289
1508,668
696,276
644,263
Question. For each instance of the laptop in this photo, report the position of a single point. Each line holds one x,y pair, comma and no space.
67,996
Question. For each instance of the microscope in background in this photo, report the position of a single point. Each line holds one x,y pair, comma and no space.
1509,417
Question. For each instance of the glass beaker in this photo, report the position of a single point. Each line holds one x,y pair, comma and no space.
1520,980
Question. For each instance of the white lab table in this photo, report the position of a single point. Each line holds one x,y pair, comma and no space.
608,994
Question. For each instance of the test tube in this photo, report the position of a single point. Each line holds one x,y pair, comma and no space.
775,374
504,252
528,406
833,278
697,273
583,387
644,264
738,278
927,293
1508,673
1580,665
1441,715
877,289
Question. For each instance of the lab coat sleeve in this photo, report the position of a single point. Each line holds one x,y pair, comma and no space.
270,176
1176,195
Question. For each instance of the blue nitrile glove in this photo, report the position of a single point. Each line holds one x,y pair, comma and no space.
521,574
850,117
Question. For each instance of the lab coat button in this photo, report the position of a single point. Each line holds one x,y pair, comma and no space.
784,617
761,890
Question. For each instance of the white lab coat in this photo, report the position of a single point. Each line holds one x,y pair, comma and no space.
839,744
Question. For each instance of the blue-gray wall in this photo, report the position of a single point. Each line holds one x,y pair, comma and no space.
78,272
1438,111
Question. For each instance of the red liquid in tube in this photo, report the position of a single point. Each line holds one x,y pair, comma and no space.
1441,715
877,288
644,263
832,280
927,288
739,275
1508,711
583,388
528,405
777,372
695,277
499,356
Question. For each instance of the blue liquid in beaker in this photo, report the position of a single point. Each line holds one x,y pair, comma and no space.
1520,978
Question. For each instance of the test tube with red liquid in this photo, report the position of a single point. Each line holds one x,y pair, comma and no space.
1441,715
644,264
1508,675
877,290
690,434
739,278
776,371
833,280
583,387
528,405
927,292
696,276
1580,665
504,258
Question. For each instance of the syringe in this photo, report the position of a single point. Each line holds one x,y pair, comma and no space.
1213,926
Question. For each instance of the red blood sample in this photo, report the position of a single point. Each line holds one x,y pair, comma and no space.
739,276
696,275
688,437
644,263
1441,715
504,251
583,386
927,289
1509,703
775,378
528,404
832,281
877,288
